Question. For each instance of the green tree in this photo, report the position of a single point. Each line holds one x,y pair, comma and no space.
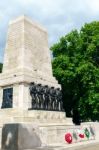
76,66
1,67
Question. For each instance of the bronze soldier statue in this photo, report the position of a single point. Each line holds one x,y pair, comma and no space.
46,97
33,93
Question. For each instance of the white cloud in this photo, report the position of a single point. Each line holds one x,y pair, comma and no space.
93,5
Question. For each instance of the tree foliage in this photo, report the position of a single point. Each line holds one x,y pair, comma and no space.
1,67
76,66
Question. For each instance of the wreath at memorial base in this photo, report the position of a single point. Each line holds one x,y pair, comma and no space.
68,138
75,135
81,136
80,133
87,133
92,131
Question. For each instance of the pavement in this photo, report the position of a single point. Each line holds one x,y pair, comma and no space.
90,146
94,147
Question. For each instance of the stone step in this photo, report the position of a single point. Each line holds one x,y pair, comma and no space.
32,120
33,113
35,116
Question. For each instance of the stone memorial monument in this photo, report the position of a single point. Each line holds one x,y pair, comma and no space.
26,60
31,113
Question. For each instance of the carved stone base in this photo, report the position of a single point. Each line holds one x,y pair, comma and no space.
31,136
33,116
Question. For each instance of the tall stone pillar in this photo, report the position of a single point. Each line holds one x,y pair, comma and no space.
26,59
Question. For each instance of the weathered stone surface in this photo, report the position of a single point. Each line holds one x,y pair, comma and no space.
26,46
10,137
20,137
27,50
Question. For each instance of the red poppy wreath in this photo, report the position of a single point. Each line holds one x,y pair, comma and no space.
68,138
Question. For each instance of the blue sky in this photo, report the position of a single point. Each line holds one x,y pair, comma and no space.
58,16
